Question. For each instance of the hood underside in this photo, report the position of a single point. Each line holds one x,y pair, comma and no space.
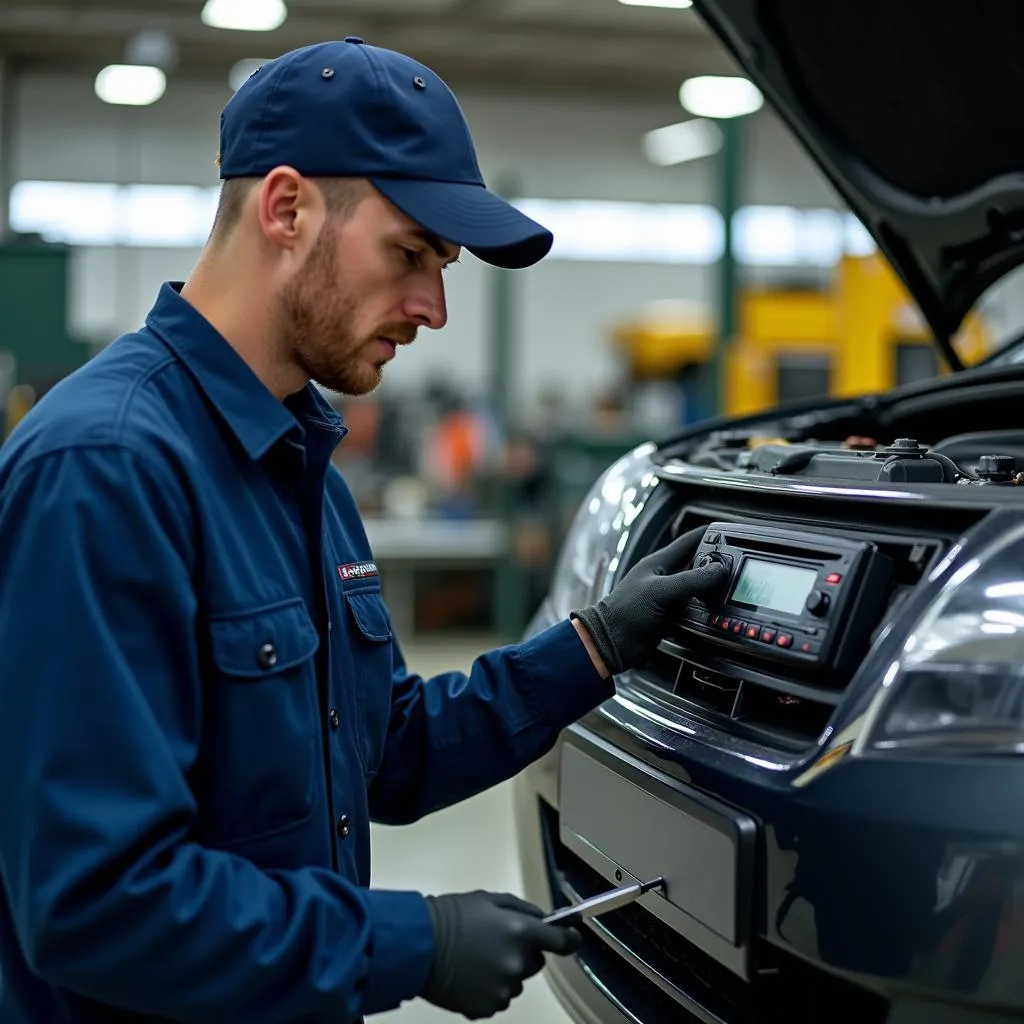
908,110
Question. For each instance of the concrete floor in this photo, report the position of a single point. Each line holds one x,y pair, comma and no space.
470,846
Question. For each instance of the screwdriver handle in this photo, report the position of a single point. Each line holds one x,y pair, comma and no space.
603,903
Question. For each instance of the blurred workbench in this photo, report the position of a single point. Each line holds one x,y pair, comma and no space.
401,547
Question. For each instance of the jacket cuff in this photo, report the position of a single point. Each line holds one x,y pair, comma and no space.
562,676
402,949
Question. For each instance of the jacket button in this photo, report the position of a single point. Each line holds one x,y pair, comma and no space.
344,826
267,656
334,718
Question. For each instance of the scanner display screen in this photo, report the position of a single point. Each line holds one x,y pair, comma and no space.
771,585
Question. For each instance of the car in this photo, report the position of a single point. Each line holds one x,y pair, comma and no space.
824,760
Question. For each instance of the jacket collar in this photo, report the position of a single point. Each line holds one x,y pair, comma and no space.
245,404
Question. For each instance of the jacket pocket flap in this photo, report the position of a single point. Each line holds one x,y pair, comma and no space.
370,615
263,641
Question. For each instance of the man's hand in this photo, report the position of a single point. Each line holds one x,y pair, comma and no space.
626,626
486,945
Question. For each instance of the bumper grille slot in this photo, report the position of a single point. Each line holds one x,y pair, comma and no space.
708,689
774,712
784,991
785,716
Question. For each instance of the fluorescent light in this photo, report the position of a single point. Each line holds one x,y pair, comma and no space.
179,216
720,96
245,15
76,213
629,232
241,72
678,143
134,85
161,216
677,5
106,214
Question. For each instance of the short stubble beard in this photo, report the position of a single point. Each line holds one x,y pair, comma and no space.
316,319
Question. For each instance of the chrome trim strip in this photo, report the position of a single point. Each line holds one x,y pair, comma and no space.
644,706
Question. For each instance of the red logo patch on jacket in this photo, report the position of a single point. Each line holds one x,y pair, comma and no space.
357,571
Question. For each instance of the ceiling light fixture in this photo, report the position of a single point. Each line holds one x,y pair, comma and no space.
676,5
245,15
679,143
720,96
133,85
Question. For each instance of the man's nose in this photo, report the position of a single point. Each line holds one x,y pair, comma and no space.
426,305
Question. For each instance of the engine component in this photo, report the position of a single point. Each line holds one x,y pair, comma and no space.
904,461
984,458
967,450
997,469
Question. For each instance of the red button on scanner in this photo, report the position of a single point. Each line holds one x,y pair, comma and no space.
725,623
833,578
767,636
784,640
806,647
737,627
753,632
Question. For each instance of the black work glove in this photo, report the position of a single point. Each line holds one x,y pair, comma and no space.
628,624
485,946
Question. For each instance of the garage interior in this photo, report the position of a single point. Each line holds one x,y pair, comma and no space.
470,461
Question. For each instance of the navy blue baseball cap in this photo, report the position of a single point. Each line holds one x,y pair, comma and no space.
347,109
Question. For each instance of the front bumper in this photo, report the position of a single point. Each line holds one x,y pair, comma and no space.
882,890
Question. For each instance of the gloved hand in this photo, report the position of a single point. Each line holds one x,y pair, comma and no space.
628,624
486,945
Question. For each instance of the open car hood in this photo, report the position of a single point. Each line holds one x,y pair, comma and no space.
902,108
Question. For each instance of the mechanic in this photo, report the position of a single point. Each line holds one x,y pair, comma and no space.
202,704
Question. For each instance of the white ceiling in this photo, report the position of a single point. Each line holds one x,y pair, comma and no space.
552,45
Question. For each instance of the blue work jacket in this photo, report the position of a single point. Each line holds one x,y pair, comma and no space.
203,705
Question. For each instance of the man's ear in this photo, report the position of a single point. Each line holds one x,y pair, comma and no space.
289,208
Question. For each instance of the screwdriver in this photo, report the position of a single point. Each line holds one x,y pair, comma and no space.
603,903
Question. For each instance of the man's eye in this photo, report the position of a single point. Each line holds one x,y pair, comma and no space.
411,256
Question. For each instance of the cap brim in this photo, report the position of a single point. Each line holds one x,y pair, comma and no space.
492,229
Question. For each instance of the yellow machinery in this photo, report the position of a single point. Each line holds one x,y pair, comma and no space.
862,335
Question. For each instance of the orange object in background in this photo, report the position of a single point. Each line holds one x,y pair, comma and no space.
456,451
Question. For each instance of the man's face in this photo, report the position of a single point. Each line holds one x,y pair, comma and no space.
369,282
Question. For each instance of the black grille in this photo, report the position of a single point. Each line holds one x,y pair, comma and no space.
784,990
776,712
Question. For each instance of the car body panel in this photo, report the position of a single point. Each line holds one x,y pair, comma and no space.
902,877
896,109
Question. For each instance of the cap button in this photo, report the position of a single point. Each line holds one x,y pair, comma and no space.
354,39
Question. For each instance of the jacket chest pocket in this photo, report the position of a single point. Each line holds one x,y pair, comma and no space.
369,629
260,730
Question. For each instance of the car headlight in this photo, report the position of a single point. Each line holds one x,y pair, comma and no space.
600,531
958,684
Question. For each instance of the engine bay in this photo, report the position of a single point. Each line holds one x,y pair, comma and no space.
989,458
964,430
